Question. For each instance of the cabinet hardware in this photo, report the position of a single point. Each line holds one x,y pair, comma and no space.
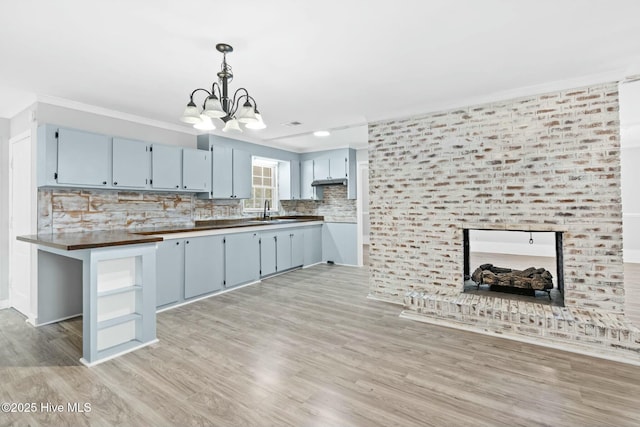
177,243
115,183
177,186
187,242
104,182
55,175
57,135
185,186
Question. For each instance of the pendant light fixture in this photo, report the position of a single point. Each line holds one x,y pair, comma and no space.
233,111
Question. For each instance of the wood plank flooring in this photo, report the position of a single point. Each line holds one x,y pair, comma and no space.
308,349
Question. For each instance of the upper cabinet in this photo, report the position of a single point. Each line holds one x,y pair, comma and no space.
196,169
321,168
230,174
79,159
166,167
289,180
330,164
131,163
338,166
82,158
307,192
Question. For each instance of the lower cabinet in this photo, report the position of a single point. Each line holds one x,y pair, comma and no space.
203,265
169,272
313,245
282,250
242,258
268,247
340,243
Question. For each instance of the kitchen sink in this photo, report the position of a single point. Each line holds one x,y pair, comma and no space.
271,221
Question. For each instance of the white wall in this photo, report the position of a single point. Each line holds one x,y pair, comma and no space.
630,172
4,209
92,122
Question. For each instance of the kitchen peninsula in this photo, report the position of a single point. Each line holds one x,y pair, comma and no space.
117,279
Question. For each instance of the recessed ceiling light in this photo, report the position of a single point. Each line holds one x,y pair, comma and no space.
321,133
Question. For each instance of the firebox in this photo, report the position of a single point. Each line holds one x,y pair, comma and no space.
493,251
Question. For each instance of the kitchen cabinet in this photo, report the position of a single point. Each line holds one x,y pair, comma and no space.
131,163
242,258
338,167
166,167
340,243
289,180
321,168
307,192
268,248
203,265
297,247
169,272
283,250
231,173
312,245
83,158
196,169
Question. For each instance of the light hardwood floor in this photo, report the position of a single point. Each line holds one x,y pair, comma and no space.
308,349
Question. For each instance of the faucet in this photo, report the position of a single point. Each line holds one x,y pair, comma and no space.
267,205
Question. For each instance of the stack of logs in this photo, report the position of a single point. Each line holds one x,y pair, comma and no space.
531,278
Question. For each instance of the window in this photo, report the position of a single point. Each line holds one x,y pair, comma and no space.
264,185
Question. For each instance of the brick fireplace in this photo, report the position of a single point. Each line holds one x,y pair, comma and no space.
549,162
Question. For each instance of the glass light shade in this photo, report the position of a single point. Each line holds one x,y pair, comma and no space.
213,108
191,114
246,114
259,124
205,123
232,126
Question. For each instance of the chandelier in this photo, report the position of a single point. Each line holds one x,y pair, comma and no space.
241,108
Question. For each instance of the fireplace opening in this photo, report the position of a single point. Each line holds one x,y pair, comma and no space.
522,265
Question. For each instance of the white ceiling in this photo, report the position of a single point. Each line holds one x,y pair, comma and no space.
328,64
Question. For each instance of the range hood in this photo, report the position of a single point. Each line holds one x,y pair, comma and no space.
325,182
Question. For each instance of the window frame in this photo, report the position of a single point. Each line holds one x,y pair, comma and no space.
275,202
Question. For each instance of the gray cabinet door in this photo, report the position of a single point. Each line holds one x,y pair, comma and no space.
321,169
340,243
83,158
196,169
203,265
306,178
131,163
169,271
166,167
338,167
242,258
222,173
242,174
267,254
295,180
297,247
313,245
283,250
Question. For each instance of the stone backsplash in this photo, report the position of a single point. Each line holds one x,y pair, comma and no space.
72,210
335,206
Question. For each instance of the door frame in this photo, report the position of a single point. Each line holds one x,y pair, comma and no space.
33,291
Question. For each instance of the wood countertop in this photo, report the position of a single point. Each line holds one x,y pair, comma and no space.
102,239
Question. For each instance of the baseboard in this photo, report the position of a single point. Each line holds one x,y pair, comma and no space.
113,356
33,321
389,301
631,255
5,303
215,294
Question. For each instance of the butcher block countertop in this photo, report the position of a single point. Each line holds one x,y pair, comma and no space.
102,239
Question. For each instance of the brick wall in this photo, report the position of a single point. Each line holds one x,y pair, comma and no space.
334,206
549,162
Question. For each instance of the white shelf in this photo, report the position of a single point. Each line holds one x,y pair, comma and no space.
122,290
118,320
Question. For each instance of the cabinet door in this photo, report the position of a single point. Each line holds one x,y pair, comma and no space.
267,254
169,271
313,245
83,158
222,173
166,167
283,251
131,163
203,265
306,178
297,248
340,243
242,258
196,169
321,169
338,167
295,180
242,174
